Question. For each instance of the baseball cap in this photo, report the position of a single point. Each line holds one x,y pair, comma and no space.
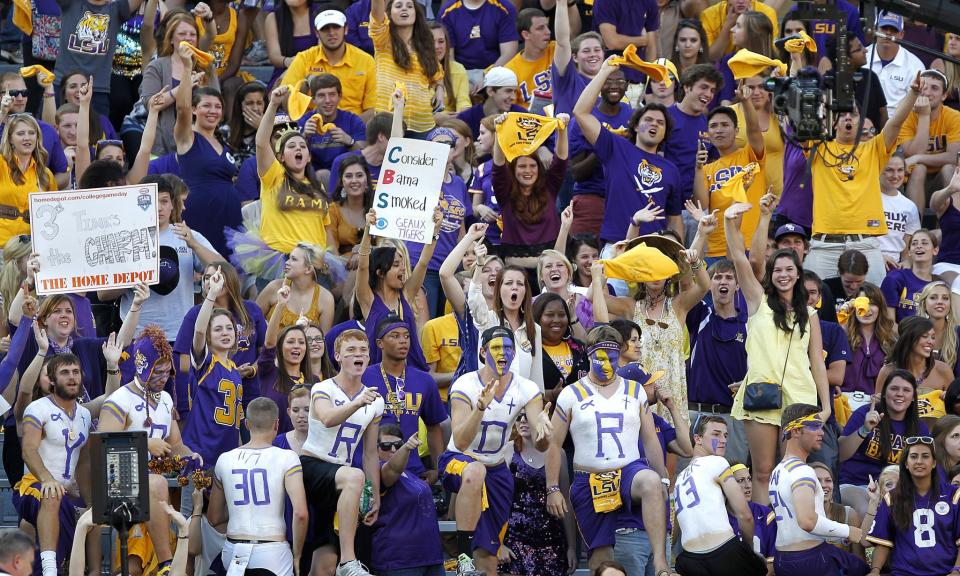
500,76
887,18
169,271
671,68
790,228
493,333
328,17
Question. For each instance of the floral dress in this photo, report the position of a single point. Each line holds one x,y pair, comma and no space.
536,537
661,348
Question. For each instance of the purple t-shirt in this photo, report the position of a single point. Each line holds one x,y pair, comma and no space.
901,290
866,460
634,178
166,164
718,353
56,160
764,528
476,33
358,26
335,169
630,18
596,183
950,228
796,202
323,149
546,229
836,347
421,401
406,530
928,545
482,183
567,87
457,206
680,147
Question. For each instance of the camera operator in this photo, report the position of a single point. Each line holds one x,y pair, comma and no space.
847,205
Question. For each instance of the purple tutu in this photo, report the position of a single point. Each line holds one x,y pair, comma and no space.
252,255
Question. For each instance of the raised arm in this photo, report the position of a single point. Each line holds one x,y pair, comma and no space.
141,292
749,285
700,193
941,198
891,130
582,110
273,326
265,154
691,295
754,133
399,102
183,128
141,163
758,244
448,270
83,129
364,293
199,345
378,10
562,149
31,375
561,31
148,45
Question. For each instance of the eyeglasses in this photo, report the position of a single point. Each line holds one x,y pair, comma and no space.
17,93
391,446
928,440
312,339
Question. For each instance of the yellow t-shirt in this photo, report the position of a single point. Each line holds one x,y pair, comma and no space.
461,89
17,195
356,71
441,344
533,76
846,196
715,174
302,219
772,149
222,42
418,109
562,357
712,19
944,130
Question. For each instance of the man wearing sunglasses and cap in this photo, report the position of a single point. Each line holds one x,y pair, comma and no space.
484,407
930,136
797,500
608,416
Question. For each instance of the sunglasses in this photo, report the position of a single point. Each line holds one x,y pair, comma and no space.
522,417
928,440
390,446
657,323
17,93
101,144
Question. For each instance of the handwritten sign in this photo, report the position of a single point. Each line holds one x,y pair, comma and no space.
95,239
409,189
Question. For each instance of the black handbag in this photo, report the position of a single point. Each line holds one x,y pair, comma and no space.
767,395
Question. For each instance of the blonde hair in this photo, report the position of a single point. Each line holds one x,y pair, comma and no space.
16,248
552,254
39,154
948,348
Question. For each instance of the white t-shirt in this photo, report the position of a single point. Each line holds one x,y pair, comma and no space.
252,480
62,439
128,406
490,445
701,505
167,311
788,474
338,443
903,218
605,431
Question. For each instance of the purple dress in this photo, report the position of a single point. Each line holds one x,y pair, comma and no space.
535,537
213,203
950,226
861,374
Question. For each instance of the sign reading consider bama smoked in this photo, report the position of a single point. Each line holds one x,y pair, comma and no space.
409,189
95,239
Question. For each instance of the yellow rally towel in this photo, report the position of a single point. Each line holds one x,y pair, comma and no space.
402,87
23,16
747,64
521,133
841,409
203,58
861,304
931,405
641,264
46,77
297,102
736,187
605,491
322,128
798,44
630,59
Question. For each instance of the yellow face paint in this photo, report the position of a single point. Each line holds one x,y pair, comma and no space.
603,363
500,354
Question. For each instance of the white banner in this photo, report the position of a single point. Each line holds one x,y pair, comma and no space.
95,239
409,189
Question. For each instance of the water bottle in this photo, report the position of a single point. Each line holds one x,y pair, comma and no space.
366,498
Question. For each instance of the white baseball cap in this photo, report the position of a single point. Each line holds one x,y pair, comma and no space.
328,17
500,76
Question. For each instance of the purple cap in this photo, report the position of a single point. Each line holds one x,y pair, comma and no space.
790,228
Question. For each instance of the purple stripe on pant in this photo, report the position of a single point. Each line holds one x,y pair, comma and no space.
499,484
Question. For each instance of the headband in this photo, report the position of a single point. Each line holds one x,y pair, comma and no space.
738,467
605,345
441,131
811,422
391,327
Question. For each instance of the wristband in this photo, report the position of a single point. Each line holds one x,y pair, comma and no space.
829,529
113,372
861,431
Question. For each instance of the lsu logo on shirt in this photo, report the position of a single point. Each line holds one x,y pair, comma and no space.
453,213
90,37
937,144
721,176
896,447
649,174
541,84
911,303
475,32
825,28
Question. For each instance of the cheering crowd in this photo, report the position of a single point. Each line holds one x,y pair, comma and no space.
651,327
